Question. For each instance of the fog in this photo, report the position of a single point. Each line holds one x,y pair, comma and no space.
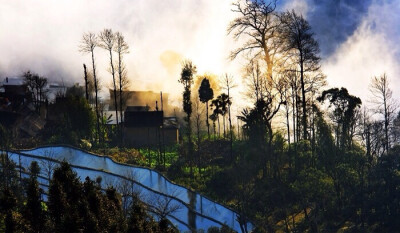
357,39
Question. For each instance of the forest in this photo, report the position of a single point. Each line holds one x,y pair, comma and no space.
302,158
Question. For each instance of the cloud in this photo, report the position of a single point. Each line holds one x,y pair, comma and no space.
43,36
300,6
333,21
370,51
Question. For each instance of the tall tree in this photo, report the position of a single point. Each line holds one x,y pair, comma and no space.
216,104
107,42
121,48
33,210
228,84
384,103
223,101
299,44
187,73
206,94
256,21
86,83
88,44
344,114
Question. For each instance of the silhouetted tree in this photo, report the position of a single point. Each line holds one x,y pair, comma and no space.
187,73
121,48
228,84
86,82
256,20
299,44
88,44
107,41
206,94
343,114
384,103
33,211
36,85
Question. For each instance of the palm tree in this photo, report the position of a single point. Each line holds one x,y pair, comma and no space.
224,101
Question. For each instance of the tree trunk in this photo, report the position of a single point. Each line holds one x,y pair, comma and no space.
208,124
115,87
219,127
303,92
86,83
96,101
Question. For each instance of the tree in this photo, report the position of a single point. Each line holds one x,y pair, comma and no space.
36,85
107,42
344,113
206,94
121,48
228,82
222,101
73,119
187,73
33,212
384,104
256,21
86,82
215,103
299,44
88,44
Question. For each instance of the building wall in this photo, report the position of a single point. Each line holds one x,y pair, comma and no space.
150,136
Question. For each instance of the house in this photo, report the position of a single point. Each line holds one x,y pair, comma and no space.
15,90
141,98
149,128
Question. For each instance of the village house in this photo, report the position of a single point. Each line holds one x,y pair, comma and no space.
144,125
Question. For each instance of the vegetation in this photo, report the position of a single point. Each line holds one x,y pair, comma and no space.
333,167
71,206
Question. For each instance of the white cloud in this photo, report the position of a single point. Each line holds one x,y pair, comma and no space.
300,6
372,50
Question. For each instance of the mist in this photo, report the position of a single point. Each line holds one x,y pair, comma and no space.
43,36
357,39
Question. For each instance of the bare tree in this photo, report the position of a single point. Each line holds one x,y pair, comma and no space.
228,84
107,42
384,103
88,44
163,205
48,164
127,188
256,21
253,79
121,48
299,44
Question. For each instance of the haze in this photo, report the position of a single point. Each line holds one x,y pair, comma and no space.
358,39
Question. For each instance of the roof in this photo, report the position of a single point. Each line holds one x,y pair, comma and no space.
143,118
137,108
13,81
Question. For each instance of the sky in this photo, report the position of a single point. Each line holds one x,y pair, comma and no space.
358,39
